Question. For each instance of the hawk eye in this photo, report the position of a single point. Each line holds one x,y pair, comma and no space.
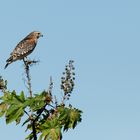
40,35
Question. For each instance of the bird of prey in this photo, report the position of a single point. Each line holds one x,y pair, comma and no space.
24,47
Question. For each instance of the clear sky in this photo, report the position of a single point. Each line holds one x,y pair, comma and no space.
103,37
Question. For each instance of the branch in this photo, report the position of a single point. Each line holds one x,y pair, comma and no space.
34,130
27,64
26,113
41,111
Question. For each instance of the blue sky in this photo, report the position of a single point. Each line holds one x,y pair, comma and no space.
103,39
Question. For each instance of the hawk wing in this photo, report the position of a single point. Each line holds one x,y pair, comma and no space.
23,48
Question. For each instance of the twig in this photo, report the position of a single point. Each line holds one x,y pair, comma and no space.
41,111
27,71
63,99
26,113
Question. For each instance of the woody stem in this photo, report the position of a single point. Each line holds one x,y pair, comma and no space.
27,71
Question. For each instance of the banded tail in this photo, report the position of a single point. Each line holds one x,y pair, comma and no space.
9,61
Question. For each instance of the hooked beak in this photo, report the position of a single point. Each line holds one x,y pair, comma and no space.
41,35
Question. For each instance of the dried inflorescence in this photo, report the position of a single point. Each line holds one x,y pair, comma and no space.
3,84
48,93
67,80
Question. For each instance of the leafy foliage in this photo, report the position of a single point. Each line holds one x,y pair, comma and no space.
46,118
13,106
69,117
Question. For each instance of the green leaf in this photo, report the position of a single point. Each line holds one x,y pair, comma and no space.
12,109
14,114
35,103
29,137
51,134
50,129
69,117
11,98
3,109
18,98
13,106
22,97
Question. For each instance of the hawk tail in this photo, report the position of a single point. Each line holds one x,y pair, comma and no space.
9,61
6,65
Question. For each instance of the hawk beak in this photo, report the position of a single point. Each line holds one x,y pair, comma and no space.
41,35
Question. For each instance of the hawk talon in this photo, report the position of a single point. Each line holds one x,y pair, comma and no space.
30,62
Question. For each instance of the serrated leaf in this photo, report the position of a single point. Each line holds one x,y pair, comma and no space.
14,114
51,134
29,137
3,109
12,109
29,102
22,97
50,129
35,103
69,117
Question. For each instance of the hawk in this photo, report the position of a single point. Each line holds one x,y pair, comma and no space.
24,47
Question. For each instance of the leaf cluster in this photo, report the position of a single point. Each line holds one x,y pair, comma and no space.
45,117
49,120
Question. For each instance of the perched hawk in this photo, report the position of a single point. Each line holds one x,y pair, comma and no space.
24,47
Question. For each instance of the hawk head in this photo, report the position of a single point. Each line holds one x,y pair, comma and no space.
35,35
